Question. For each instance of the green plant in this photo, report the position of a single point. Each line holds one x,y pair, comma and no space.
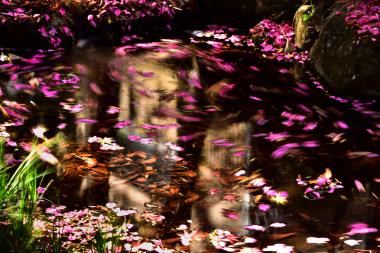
100,242
19,198
308,14
54,245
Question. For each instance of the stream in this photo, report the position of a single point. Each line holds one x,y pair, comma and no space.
220,136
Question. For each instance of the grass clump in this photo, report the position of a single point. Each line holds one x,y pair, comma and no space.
20,192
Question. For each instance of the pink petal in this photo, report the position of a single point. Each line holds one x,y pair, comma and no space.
85,121
359,186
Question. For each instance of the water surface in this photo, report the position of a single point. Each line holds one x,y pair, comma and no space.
216,136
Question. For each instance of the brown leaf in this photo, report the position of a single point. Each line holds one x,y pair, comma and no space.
230,197
174,190
101,170
150,173
170,240
132,176
120,160
103,208
305,216
91,162
190,173
68,156
223,181
140,154
82,167
173,205
158,191
141,179
200,235
191,197
149,161
258,198
149,168
281,236
153,186
85,155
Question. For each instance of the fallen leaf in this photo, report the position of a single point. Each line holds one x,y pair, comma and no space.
140,154
149,161
191,197
281,236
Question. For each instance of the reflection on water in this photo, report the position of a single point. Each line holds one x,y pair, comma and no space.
126,194
141,95
230,119
215,157
210,211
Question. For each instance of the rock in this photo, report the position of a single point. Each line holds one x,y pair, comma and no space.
347,64
321,8
304,31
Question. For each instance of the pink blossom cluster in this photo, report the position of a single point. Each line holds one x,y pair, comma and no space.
364,16
44,14
78,230
223,239
276,41
5,137
54,21
106,143
323,184
51,85
14,111
226,241
272,40
219,36
125,11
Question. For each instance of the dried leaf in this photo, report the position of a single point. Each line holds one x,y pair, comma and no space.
191,197
149,161
281,236
140,154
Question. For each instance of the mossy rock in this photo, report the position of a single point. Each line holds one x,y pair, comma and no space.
348,64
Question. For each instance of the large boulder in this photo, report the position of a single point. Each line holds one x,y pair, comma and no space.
347,63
